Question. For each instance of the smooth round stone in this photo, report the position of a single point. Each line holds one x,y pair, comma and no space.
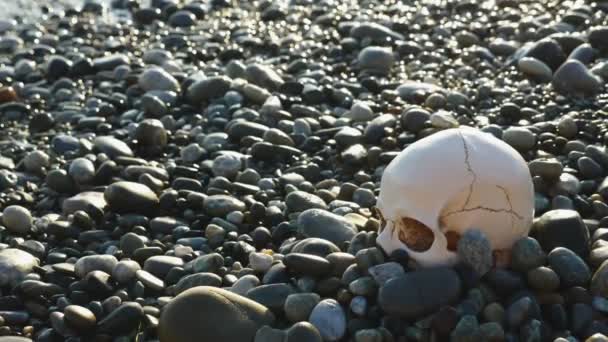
548,51
548,169
149,280
207,89
527,254
348,136
599,281
570,268
35,161
376,59
303,332
430,289
597,37
520,138
160,265
221,205
562,228
535,68
518,312
244,284
298,306
84,201
383,272
276,136
329,319
125,270
543,278
197,279
182,19
131,197
201,314
298,201
567,127
573,77
272,296
589,168
122,320
15,264
307,264
260,262
474,249
227,165
62,144
58,66
79,318
359,112
157,79
264,76
192,153
17,219
89,263
151,132
130,242
82,170
112,147
318,223
320,247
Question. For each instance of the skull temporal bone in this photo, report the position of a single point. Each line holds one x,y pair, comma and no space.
452,181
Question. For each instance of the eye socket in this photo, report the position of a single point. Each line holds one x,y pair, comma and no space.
415,235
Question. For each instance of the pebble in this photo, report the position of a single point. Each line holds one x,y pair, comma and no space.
573,77
527,254
131,197
122,320
376,59
298,201
570,268
79,318
82,170
260,262
112,147
431,289
520,138
15,264
202,312
474,249
87,264
157,79
562,228
17,219
329,319
535,68
543,279
298,306
318,223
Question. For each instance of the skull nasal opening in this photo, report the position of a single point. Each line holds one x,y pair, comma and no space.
415,235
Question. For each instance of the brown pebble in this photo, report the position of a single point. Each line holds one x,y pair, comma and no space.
7,94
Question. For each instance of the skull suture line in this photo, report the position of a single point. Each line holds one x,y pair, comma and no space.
445,184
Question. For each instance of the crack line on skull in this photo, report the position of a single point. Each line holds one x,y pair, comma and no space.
470,194
513,213
467,162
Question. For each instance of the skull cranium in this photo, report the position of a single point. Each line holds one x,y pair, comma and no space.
445,184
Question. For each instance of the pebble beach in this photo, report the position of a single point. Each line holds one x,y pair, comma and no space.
206,171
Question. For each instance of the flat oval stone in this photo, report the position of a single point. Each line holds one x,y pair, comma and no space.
420,292
113,147
201,314
323,224
131,197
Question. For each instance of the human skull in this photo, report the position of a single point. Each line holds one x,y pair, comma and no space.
445,184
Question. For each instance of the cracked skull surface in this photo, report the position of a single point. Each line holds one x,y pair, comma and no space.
445,184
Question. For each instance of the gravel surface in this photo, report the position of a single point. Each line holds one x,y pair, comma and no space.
182,171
